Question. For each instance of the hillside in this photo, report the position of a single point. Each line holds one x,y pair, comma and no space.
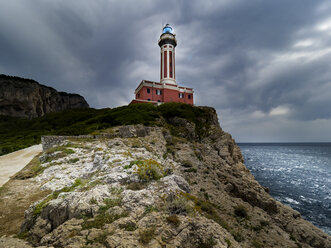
18,133
20,97
177,181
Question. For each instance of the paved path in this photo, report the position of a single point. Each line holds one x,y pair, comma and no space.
16,161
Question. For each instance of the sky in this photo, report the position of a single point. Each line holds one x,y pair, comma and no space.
263,65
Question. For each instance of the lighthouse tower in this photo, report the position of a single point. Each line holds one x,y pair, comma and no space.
167,89
167,43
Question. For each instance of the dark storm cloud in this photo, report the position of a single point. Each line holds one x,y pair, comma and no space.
264,65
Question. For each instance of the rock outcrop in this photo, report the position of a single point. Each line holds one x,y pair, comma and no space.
172,185
27,98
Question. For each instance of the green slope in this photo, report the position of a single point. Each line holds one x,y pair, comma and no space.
18,133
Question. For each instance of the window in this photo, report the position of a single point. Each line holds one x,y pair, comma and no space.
158,100
181,95
148,90
148,99
158,92
138,95
189,96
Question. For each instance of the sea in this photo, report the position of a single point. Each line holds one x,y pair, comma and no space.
297,174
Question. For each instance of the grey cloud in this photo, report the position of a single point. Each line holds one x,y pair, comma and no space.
242,57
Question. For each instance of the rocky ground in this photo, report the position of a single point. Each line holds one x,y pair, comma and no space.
165,186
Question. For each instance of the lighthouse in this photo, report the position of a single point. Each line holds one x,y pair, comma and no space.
167,43
167,90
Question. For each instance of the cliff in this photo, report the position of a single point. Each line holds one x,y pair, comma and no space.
180,183
27,98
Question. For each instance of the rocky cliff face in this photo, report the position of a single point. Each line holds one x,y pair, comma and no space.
175,185
26,98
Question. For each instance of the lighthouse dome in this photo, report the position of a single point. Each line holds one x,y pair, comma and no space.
167,29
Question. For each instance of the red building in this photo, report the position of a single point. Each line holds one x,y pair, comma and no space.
167,89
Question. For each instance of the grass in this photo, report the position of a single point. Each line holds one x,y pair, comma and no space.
32,169
18,133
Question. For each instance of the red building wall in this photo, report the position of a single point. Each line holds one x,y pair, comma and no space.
167,95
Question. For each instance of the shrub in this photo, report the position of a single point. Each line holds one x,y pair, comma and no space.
130,226
146,235
208,243
241,212
238,236
187,164
194,170
173,219
150,209
136,186
93,201
256,244
149,170
179,206
73,160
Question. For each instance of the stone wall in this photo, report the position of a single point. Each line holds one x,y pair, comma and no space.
51,141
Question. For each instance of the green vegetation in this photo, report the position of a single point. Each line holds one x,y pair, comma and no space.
238,236
73,160
104,217
57,152
173,219
18,133
101,239
32,169
228,242
208,243
145,236
149,170
194,170
150,209
241,212
130,226
136,186
257,244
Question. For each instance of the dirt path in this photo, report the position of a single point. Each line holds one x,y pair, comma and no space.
15,161
17,193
